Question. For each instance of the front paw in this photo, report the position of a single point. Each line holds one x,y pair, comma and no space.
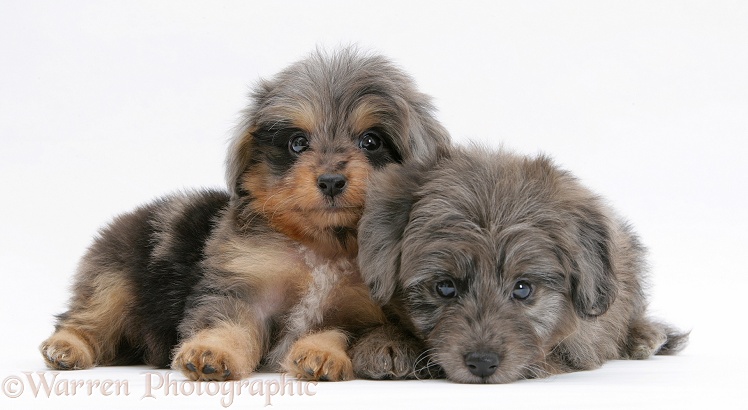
66,350
386,353
198,361
311,359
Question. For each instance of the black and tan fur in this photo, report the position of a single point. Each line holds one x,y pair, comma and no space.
217,283
495,267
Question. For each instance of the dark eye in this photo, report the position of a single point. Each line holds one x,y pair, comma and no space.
446,289
522,290
298,144
370,141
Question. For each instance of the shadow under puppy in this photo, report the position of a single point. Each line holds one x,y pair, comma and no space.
217,283
495,267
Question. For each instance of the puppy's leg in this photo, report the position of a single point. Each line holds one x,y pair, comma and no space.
224,339
386,352
645,338
90,331
676,341
320,356
226,351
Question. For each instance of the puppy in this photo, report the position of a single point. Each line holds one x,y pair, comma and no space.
495,267
217,283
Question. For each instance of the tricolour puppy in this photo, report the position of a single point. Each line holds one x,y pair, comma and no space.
495,267
216,283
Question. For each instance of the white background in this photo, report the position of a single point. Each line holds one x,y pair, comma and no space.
105,105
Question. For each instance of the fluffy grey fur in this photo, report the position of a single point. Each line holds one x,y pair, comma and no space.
495,267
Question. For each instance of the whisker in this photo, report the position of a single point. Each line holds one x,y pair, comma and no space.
430,364
535,371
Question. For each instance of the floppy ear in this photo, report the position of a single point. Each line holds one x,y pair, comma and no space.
427,137
593,281
240,146
390,196
238,159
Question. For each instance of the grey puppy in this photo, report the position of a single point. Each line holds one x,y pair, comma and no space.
495,267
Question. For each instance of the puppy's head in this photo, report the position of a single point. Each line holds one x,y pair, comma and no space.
314,133
491,259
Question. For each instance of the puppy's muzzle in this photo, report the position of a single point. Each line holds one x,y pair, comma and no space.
331,184
482,364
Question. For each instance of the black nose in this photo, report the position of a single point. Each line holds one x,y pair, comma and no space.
482,364
331,184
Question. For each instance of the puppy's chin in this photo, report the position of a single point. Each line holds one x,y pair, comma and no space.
333,216
310,219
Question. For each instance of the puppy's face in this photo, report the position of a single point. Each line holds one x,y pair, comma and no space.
313,136
310,162
491,261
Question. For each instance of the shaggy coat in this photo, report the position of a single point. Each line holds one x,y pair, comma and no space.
494,267
217,283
